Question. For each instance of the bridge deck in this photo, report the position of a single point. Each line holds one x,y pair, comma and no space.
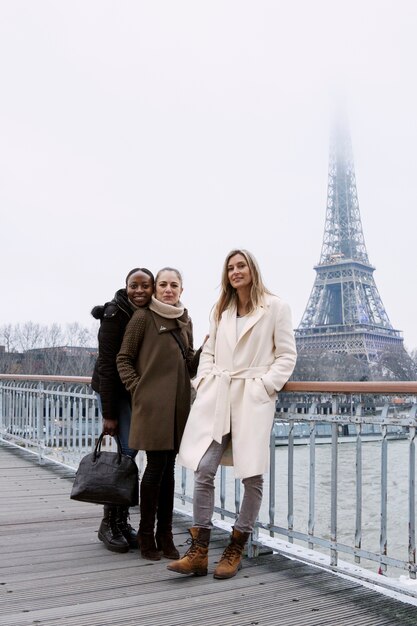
53,570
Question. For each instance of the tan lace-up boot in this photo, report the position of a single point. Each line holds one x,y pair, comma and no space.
195,560
231,559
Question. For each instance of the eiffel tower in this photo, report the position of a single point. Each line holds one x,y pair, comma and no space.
345,313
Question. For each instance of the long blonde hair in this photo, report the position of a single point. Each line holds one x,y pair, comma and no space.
228,296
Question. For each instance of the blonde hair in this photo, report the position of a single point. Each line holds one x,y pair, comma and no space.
228,296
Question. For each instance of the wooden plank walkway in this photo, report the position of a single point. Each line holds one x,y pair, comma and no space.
53,570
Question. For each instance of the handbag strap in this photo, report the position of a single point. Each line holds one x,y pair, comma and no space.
97,448
175,332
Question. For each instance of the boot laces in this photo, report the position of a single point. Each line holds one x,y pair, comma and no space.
194,546
114,525
231,552
124,522
115,528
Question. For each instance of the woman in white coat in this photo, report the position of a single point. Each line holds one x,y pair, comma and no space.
249,356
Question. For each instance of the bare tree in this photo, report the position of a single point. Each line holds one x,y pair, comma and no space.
413,355
28,336
40,349
77,335
8,337
399,366
333,366
81,363
53,338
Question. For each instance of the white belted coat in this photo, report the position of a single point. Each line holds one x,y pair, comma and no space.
237,383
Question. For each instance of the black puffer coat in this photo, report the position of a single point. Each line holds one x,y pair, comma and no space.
114,317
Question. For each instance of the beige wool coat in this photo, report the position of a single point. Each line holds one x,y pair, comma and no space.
157,374
237,383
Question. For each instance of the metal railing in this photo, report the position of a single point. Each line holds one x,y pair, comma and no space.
58,418
55,416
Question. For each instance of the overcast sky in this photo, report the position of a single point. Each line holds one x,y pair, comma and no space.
167,133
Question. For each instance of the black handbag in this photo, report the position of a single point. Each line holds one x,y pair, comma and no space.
107,477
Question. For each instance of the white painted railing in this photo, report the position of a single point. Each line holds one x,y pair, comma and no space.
56,416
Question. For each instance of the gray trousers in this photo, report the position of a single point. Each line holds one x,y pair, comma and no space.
203,500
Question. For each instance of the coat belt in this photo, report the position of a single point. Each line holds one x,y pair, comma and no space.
221,424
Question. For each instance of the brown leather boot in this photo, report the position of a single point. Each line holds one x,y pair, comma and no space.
163,535
231,559
146,532
147,546
165,544
195,560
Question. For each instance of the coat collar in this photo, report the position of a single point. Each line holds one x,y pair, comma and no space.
229,317
164,324
251,320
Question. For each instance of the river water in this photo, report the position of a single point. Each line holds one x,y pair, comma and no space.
397,498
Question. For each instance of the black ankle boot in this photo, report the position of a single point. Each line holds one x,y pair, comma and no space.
109,532
129,533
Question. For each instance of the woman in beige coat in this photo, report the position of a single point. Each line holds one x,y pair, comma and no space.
249,356
155,363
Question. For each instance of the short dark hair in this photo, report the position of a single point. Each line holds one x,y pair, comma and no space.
141,269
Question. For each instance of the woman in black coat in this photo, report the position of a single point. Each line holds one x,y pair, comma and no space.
113,399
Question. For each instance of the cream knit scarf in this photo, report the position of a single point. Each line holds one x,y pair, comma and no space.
169,311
